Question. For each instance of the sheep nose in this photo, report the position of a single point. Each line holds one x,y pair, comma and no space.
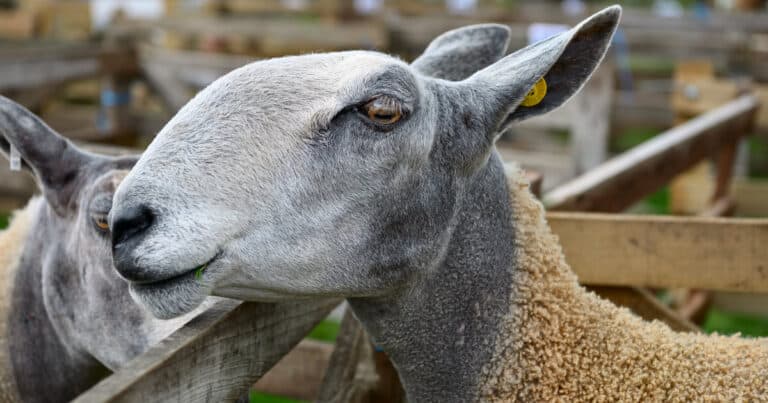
131,222
129,225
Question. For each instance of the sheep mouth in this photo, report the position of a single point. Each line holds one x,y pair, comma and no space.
170,298
174,296
197,272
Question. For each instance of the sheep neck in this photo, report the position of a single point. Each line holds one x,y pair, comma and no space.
504,319
441,331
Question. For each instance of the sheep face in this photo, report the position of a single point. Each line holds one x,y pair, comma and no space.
70,240
334,174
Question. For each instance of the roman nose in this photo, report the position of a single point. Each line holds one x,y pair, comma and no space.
129,226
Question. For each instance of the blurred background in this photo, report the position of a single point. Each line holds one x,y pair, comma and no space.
113,72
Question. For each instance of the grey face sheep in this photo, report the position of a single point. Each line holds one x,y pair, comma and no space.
354,174
66,317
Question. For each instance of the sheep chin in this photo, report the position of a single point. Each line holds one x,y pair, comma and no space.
172,298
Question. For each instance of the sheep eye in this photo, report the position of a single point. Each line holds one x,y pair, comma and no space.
383,110
100,221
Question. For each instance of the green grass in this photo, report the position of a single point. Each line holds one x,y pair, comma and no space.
325,331
730,323
658,201
632,137
258,397
3,220
758,156
651,65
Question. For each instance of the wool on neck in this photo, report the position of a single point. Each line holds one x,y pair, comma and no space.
560,342
12,241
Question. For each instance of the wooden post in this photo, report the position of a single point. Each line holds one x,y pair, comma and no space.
342,381
591,125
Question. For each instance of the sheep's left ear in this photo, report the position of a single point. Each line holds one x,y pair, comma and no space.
457,54
52,159
564,62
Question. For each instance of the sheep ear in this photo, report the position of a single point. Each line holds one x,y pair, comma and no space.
54,161
457,54
564,62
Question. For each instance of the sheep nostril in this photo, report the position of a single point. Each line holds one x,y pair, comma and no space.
130,223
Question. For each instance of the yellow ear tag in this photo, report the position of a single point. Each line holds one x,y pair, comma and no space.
536,94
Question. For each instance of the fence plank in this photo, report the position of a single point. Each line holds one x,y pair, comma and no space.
299,374
620,182
216,357
724,254
50,65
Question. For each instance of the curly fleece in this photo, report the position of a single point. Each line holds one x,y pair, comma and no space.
11,245
567,344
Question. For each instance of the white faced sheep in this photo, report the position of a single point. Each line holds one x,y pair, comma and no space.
66,317
354,174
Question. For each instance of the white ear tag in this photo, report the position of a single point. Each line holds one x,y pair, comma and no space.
15,159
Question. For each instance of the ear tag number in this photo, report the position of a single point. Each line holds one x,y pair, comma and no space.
15,159
536,94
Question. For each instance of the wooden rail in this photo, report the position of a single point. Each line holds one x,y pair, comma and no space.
624,180
53,65
723,254
216,357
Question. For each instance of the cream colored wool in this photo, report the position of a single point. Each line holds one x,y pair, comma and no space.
11,245
567,344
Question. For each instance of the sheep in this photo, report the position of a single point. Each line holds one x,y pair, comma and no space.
356,175
66,317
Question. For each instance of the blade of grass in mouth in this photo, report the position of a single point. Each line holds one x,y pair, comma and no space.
199,271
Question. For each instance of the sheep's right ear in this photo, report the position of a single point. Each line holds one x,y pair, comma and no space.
53,160
562,63
457,54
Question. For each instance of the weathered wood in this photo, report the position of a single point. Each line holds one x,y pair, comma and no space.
722,207
281,36
177,74
300,373
197,68
750,197
164,81
725,165
690,192
696,96
214,358
761,92
17,24
388,387
621,181
591,126
342,382
723,254
45,66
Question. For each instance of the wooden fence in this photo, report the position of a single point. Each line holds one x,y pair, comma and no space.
221,353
